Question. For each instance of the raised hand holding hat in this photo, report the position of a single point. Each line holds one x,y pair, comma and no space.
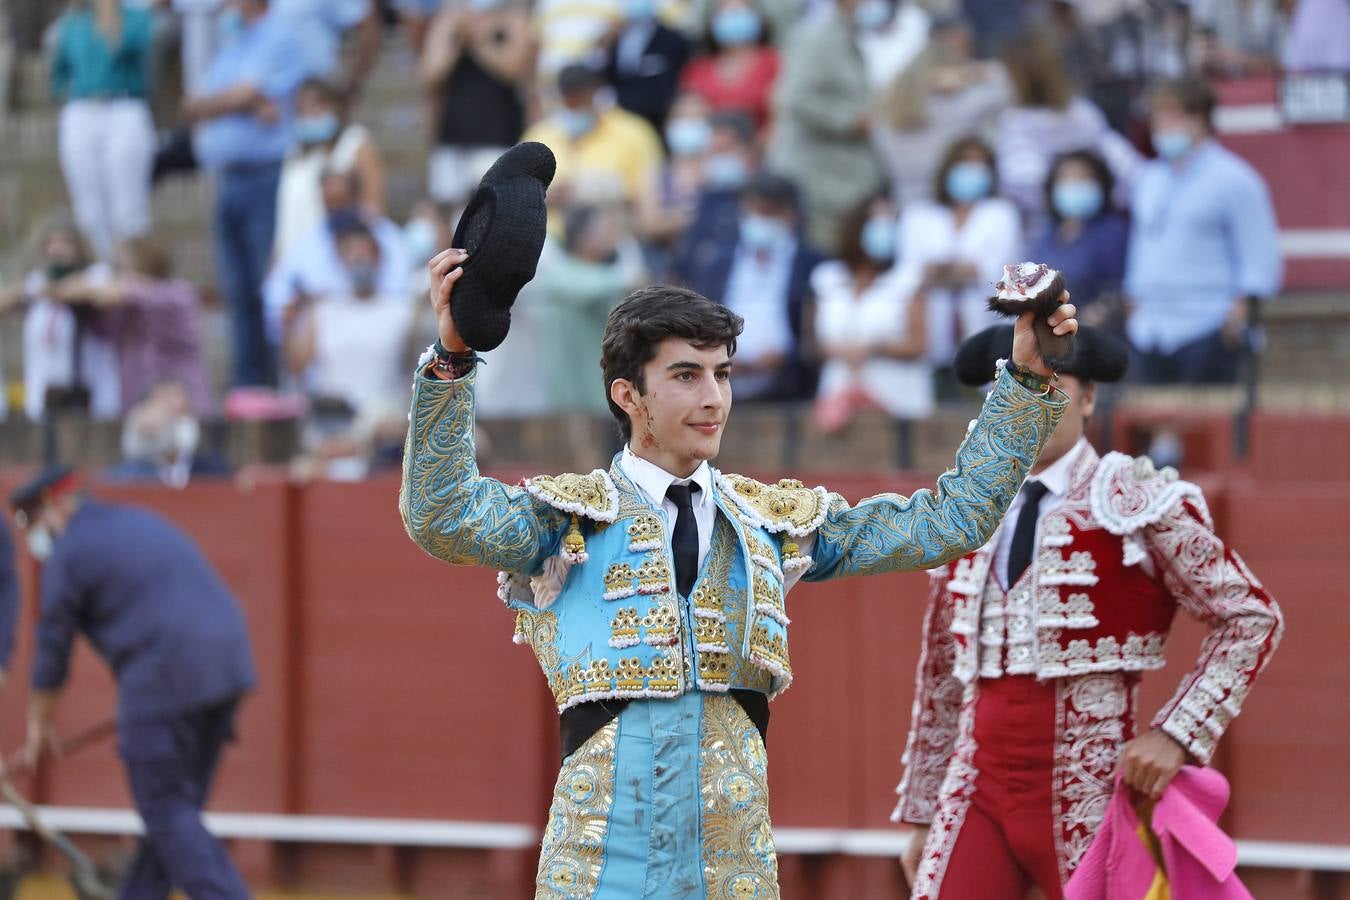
495,250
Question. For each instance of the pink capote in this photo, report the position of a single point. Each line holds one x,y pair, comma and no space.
1200,858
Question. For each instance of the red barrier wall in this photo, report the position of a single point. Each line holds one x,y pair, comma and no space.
390,686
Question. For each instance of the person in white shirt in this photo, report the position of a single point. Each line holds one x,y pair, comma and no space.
869,326
311,266
957,246
347,348
65,358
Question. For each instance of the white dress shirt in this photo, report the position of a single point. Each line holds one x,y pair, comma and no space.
652,481
1056,480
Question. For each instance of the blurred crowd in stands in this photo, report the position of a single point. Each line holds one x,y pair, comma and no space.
850,176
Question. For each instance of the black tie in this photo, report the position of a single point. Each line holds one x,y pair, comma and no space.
1024,535
684,541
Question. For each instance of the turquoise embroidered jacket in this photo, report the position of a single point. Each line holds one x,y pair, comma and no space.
585,561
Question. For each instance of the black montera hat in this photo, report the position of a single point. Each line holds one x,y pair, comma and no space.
1097,355
503,231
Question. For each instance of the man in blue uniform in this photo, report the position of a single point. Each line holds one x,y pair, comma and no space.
175,638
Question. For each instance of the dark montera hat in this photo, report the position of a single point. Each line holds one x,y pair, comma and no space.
45,484
503,231
1097,355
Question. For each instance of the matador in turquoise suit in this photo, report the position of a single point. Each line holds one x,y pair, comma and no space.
653,592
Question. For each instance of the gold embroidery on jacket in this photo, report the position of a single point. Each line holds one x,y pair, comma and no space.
738,852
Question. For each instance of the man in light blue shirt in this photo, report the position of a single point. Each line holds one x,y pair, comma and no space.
1203,245
243,118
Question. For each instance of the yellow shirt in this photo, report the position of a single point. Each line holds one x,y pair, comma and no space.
619,157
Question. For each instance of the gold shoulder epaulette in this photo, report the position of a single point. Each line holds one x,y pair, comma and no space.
788,506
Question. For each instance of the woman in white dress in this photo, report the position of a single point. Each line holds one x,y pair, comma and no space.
870,326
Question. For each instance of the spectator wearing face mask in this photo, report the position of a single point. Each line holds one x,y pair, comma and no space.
349,348
601,151
161,441
1048,118
1204,246
822,121
957,246
475,70
673,201
739,70
68,361
324,141
869,326
152,322
1086,236
764,275
728,163
312,268
942,95
100,69
642,59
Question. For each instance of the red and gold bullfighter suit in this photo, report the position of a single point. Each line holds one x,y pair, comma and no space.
1026,695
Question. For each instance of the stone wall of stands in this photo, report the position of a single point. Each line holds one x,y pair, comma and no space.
390,687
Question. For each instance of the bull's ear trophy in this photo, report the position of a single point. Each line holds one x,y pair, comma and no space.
1035,287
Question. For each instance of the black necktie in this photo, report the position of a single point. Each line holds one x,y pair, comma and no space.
1024,535
684,541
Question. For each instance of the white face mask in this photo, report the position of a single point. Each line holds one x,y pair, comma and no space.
186,434
40,542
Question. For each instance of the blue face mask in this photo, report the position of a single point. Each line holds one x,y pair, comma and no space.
735,27
344,219
871,15
1077,199
363,276
639,9
575,122
316,129
879,237
725,171
969,181
230,23
419,237
1173,143
688,137
763,232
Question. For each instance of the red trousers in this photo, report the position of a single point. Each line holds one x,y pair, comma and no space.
996,832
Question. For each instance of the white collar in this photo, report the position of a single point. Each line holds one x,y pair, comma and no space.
653,480
1057,475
